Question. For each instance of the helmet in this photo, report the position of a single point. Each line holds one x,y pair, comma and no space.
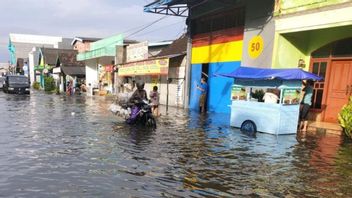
140,85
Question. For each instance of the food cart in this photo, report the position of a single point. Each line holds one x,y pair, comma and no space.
250,114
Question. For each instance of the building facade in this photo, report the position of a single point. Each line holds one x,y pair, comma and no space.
24,46
99,58
159,64
322,41
314,35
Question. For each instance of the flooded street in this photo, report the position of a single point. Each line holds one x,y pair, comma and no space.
54,145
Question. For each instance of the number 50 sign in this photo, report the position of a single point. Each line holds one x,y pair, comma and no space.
255,46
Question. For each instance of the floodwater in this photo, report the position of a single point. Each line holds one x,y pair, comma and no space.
58,146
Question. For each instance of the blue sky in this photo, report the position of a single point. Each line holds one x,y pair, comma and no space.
88,18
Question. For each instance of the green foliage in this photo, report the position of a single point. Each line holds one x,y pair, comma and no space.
345,118
258,94
49,84
36,85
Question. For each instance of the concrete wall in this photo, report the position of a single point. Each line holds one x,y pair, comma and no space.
259,22
24,43
293,6
65,43
299,45
22,49
316,19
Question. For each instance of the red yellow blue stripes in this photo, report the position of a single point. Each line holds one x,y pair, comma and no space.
220,46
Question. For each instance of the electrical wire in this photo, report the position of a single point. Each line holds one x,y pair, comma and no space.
158,29
146,26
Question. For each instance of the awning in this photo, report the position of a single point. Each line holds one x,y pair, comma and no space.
74,71
168,7
271,74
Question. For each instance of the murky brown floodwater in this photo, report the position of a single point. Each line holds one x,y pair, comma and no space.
73,147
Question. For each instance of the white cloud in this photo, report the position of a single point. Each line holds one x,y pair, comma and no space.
93,18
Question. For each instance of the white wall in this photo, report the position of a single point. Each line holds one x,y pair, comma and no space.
36,39
315,20
92,73
33,57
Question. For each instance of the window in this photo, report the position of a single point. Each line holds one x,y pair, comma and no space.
319,68
218,21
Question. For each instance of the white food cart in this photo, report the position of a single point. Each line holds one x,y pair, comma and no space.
274,118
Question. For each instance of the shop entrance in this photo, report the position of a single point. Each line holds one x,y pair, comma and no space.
339,89
334,63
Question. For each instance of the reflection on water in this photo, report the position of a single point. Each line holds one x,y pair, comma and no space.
72,146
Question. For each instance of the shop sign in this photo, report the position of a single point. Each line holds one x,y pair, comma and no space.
255,47
291,96
238,93
148,67
137,52
57,70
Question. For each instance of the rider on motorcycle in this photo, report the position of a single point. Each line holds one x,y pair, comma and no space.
140,94
137,97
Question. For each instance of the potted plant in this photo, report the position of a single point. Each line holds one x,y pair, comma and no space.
345,118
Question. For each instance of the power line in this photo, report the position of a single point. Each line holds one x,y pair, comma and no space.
129,30
146,26
159,28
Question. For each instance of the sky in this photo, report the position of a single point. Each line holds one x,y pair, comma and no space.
86,18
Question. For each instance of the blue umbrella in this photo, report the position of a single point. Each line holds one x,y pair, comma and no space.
267,74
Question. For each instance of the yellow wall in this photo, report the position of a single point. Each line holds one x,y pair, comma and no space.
223,52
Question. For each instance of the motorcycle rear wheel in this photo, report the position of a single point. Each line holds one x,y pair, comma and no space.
151,122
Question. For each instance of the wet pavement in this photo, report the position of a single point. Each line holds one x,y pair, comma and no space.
58,146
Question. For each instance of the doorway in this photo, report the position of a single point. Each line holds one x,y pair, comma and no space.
333,62
339,89
205,75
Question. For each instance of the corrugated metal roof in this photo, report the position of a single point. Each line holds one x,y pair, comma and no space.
65,57
74,71
178,47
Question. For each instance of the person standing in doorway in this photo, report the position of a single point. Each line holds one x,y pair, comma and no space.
203,88
154,97
305,104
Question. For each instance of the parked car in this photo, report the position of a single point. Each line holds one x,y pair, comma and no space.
16,84
2,81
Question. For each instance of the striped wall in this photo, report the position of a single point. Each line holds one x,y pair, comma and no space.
222,50
219,46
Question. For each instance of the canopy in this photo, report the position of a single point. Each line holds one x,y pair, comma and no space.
270,74
73,71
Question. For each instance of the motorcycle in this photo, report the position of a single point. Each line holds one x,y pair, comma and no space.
141,113
138,112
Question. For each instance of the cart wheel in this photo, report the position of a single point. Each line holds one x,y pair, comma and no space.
248,126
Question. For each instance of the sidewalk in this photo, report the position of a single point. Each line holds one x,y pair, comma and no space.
325,127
